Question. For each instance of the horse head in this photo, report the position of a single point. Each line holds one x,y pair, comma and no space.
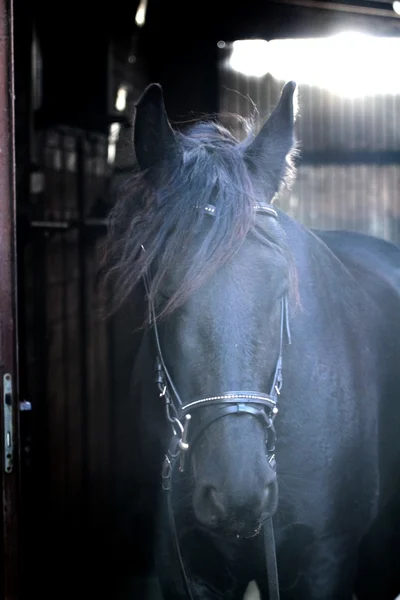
208,241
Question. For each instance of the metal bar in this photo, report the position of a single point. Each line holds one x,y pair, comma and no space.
63,400
54,225
94,222
81,195
72,224
10,559
353,8
352,157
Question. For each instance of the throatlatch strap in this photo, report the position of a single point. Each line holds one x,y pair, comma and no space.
176,545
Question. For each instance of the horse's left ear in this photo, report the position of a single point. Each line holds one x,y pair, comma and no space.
268,151
154,139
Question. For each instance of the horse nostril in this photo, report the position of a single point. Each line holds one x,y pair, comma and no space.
239,511
208,506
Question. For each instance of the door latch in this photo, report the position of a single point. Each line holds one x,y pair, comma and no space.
8,423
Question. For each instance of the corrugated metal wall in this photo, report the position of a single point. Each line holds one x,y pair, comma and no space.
349,175
77,337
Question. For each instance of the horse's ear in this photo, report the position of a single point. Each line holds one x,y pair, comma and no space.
267,153
154,139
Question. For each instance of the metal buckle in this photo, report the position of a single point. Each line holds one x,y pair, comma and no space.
272,461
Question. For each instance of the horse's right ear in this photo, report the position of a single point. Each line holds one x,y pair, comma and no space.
154,140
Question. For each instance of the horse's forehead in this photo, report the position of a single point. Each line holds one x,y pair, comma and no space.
255,268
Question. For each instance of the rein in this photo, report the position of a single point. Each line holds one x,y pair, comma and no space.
260,405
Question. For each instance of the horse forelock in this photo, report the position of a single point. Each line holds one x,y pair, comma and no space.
155,220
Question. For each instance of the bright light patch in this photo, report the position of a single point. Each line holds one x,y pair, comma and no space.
120,103
250,57
115,129
140,17
348,64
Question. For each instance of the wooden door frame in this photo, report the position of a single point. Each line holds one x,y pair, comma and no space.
10,474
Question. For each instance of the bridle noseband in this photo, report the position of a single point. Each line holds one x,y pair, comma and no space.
182,417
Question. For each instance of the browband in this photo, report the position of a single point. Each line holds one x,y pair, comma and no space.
210,209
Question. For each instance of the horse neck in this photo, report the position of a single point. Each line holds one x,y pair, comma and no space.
323,281
331,337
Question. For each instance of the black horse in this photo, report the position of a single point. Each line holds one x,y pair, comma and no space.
251,313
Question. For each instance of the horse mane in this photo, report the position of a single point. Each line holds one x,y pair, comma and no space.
157,215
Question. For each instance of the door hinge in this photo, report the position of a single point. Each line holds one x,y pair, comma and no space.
8,423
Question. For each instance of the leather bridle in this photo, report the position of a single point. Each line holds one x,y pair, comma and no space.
181,416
